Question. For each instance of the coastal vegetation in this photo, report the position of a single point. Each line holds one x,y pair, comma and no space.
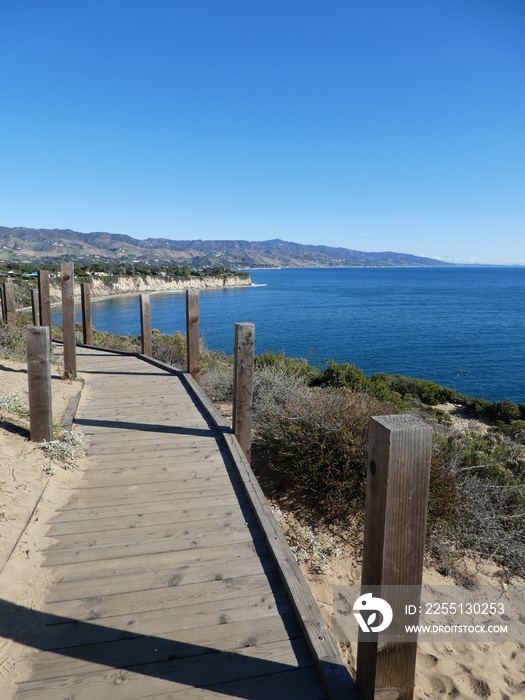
311,443
115,276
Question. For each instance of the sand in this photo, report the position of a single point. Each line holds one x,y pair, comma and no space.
28,498
28,495
467,671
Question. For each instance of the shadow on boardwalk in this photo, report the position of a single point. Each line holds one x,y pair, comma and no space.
158,657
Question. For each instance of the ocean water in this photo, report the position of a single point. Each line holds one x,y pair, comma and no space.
461,327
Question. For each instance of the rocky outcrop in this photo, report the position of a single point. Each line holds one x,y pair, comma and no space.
101,287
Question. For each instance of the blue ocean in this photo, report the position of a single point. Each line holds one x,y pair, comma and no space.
462,327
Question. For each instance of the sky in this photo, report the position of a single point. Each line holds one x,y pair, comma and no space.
370,124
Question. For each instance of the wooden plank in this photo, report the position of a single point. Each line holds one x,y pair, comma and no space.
139,445
177,467
87,321
174,676
70,556
86,659
161,437
218,555
139,493
152,533
99,607
68,319
162,577
136,476
215,556
163,501
136,521
394,540
166,620
39,383
300,683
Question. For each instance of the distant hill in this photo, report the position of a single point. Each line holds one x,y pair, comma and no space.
26,244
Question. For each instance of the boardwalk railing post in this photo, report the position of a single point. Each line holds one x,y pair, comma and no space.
87,325
243,385
34,307
395,521
68,319
44,300
3,312
192,333
145,325
9,303
39,383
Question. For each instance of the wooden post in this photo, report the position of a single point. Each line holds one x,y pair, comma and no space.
34,307
395,521
44,301
145,324
39,382
68,319
192,334
243,385
9,303
2,304
87,325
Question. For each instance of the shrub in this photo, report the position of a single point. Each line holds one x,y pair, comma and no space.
443,498
113,341
217,376
170,349
342,375
318,444
505,411
426,391
287,365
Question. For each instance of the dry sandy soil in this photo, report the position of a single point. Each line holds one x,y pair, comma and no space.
28,496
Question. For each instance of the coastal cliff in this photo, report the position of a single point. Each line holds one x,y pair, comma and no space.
104,286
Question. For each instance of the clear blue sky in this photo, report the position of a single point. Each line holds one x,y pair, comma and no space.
371,124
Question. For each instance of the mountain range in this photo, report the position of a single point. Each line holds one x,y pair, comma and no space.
28,244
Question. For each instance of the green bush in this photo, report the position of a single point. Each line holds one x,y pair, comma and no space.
288,365
113,341
13,342
340,375
170,349
426,391
318,444
505,411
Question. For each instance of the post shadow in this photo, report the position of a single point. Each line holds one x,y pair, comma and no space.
192,665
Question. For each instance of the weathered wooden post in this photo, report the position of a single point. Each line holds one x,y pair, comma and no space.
39,383
87,325
145,324
9,303
394,539
244,346
44,300
3,313
68,319
34,307
192,334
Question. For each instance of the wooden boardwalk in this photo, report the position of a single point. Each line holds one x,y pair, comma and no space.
172,580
